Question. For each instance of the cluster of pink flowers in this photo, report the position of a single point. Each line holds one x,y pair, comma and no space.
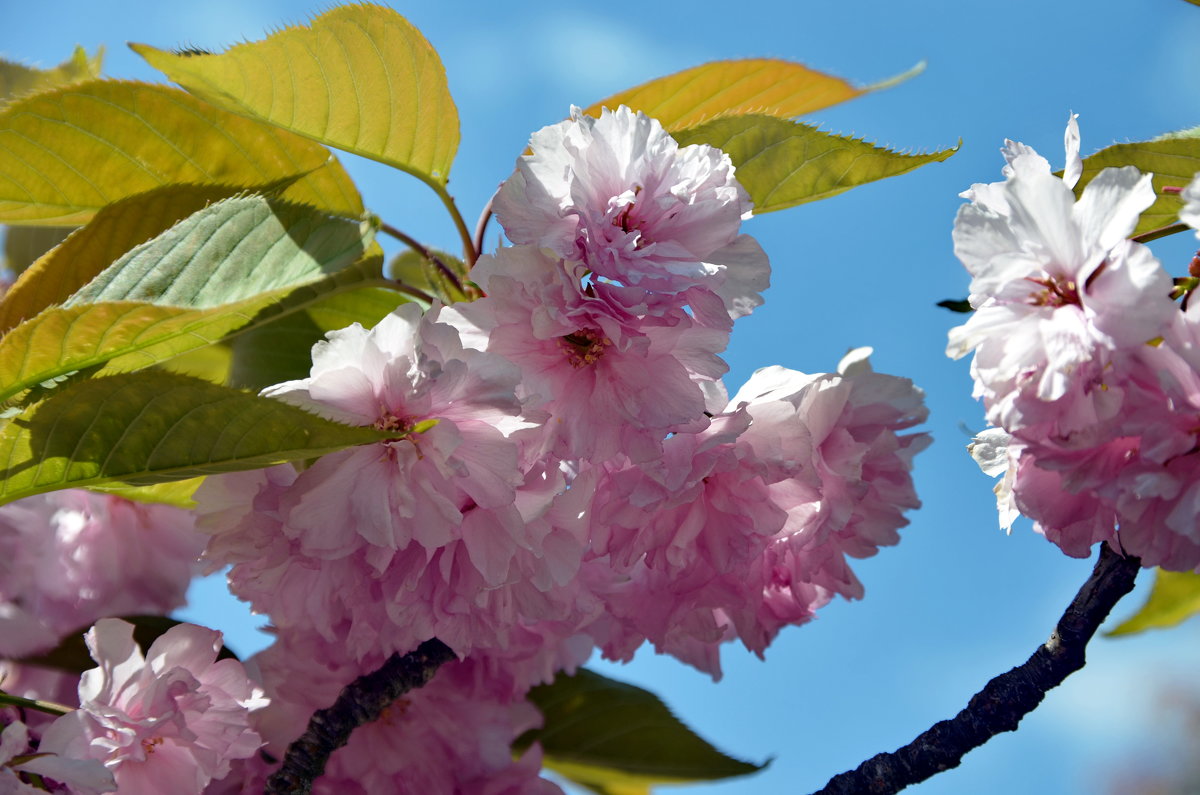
1088,370
565,472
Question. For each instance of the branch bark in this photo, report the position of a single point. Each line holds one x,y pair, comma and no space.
361,701
1006,699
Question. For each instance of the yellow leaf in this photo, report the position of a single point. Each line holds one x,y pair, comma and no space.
1175,597
68,152
177,492
766,86
359,78
17,79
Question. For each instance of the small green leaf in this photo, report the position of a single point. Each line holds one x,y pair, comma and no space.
423,273
614,737
358,77
177,492
782,163
71,655
16,79
764,86
1173,159
1175,597
154,427
67,152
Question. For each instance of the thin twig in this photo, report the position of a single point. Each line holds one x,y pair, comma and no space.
360,702
1006,699
482,224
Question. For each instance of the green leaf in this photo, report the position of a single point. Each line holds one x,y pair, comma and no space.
71,655
1175,597
415,270
782,163
232,250
113,231
359,77
1174,161
23,245
154,427
122,336
281,350
614,737
68,152
764,86
17,79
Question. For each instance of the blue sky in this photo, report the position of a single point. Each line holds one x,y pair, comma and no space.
957,602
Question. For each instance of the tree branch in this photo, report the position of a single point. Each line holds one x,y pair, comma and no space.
1006,699
361,701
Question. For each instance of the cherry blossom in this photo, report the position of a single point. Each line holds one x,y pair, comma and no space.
171,721
620,195
70,557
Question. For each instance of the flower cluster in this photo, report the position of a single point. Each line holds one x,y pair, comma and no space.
1087,368
565,471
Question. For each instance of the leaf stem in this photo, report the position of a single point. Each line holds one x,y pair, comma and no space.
470,253
1162,231
360,702
33,703
1005,700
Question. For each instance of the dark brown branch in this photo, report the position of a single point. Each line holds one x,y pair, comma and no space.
361,701
1006,699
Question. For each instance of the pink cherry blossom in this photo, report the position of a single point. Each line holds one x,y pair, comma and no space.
70,557
408,372
512,569
1057,289
171,721
614,378
620,195
745,528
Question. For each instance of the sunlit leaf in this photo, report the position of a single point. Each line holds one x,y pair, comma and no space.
17,79
68,152
1173,159
765,86
152,427
210,362
617,738
358,77
1174,598
282,349
782,163
71,655
113,231
176,492
23,245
